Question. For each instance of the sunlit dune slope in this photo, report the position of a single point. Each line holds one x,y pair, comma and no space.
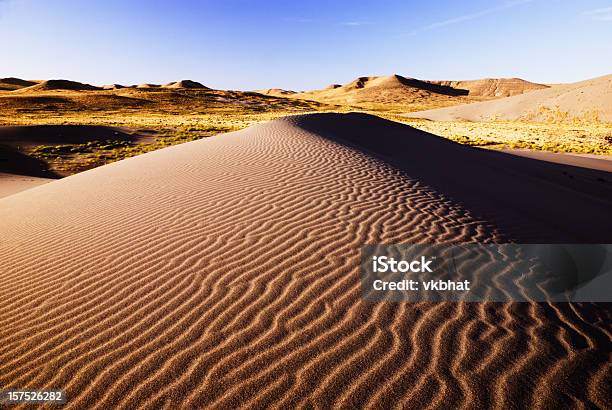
493,87
393,89
589,100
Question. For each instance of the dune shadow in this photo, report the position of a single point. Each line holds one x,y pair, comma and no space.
14,162
61,134
573,266
436,88
13,140
531,201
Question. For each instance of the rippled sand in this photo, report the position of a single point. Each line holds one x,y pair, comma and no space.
224,272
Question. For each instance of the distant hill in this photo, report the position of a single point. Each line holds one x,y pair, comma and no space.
179,97
113,86
584,100
493,87
49,85
185,84
393,89
276,92
396,89
12,83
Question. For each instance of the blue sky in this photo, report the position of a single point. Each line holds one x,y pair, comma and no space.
248,44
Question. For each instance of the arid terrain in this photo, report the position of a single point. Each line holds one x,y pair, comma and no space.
396,93
54,128
585,101
57,128
175,246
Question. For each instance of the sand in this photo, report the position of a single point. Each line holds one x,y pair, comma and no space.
50,85
589,100
399,90
12,83
276,92
113,87
186,84
599,162
11,184
392,89
493,87
223,272
31,135
20,169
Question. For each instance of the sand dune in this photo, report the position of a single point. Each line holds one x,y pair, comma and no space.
113,86
224,272
49,85
276,92
493,87
20,171
12,83
592,161
386,89
120,105
396,89
185,84
11,184
588,100
61,134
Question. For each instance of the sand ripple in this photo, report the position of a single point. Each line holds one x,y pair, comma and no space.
224,272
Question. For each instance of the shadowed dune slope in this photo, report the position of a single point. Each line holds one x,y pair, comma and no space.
49,85
587,100
20,167
12,83
12,161
508,189
61,134
592,161
224,272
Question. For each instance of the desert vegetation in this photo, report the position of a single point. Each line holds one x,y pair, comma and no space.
581,137
162,115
